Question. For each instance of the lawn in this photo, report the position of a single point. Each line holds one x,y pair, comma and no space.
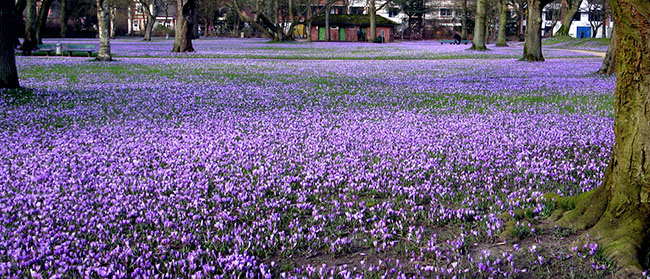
256,160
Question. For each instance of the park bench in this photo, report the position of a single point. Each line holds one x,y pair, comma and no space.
452,41
47,48
70,48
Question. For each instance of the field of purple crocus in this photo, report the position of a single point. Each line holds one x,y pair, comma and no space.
202,167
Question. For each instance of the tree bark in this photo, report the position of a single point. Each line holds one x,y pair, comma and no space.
574,6
533,42
29,43
372,11
463,27
184,25
8,19
64,18
42,19
103,24
503,19
479,26
609,63
616,214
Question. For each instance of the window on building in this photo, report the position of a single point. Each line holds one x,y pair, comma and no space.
356,10
548,14
393,12
577,16
445,12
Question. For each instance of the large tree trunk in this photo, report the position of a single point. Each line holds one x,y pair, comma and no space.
533,42
372,10
616,214
151,20
42,19
463,20
103,24
129,20
609,63
480,26
184,25
8,21
503,19
30,28
64,18
572,9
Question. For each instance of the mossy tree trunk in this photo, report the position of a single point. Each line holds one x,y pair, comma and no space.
327,23
609,63
103,24
8,21
617,214
572,7
480,25
503,19
533,38
29,43
184,26
42,19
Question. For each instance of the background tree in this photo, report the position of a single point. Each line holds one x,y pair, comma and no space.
570,8
103,26
43,12
480,26
150,10
29,43
64,18
609,63
617,213
185,11
533,41
503,20
372,14
8,21
278,18
597,10
414,11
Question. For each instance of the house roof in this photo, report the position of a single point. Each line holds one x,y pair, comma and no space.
347,20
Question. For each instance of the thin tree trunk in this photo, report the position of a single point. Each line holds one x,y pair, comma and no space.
372,10
184,25
609,63
533,43
151,20
327,23
64,18
503,19
616,213
113,23
8,19
463,27
130,20
30,28
103,24
574,6
42,19
479,27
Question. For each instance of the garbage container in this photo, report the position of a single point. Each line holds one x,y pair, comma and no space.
241,34
59,49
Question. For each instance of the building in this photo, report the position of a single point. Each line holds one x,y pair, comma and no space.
348,28
590,20
137,21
